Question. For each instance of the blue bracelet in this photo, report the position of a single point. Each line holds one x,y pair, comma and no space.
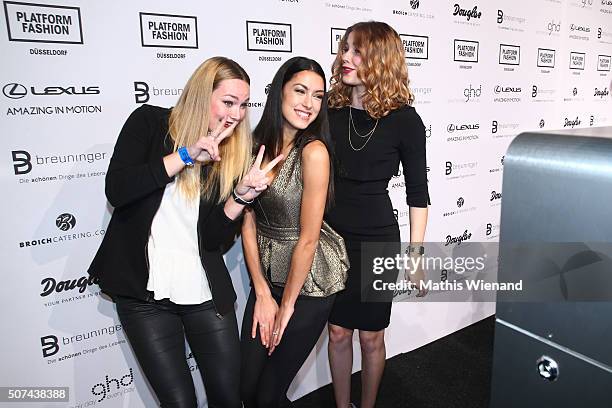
182,151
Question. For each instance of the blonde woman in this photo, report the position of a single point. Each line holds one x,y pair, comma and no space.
374,128
179,179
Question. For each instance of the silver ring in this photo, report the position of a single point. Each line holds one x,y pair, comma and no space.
275,333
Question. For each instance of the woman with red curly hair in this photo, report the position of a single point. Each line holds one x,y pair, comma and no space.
374,128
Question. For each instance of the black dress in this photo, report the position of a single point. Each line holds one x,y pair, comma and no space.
362,211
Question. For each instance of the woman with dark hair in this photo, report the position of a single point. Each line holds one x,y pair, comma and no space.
296,261
374,128
179,180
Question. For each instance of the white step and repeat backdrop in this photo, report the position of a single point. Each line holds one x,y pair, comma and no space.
72,71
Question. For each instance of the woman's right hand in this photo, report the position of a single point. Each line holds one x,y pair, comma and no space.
257,179
263,315
206,149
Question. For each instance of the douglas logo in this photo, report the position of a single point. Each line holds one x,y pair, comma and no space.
602,94
571,123
469,14
458,239
495,196
50,285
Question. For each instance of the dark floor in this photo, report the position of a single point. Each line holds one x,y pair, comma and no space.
452,372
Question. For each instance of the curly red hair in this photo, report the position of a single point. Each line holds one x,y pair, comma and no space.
383,70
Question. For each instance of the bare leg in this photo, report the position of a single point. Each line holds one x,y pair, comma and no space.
340,353
372,365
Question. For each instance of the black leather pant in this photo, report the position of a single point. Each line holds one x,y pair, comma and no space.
266,379
157,330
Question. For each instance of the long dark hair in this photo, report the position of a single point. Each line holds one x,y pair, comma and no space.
269,130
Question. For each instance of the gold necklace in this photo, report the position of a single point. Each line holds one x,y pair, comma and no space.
368,135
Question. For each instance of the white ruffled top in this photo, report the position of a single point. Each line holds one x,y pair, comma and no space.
175,268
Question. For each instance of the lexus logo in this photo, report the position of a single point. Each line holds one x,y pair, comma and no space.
14,91
65,221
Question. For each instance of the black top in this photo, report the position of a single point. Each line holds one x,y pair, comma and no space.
135,184
362,204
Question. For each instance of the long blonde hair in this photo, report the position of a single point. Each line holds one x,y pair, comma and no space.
189,121
383,70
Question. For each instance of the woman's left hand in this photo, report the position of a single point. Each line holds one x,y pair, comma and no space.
280,324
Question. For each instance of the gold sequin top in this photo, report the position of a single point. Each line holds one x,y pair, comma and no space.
278,228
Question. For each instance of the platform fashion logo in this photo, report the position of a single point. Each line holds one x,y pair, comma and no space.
546,58
415,46
28,22
577,60
466,51
168,30
268,36
509,54
336,36
603,63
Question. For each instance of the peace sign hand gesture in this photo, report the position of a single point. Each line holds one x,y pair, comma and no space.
256,180
206,149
